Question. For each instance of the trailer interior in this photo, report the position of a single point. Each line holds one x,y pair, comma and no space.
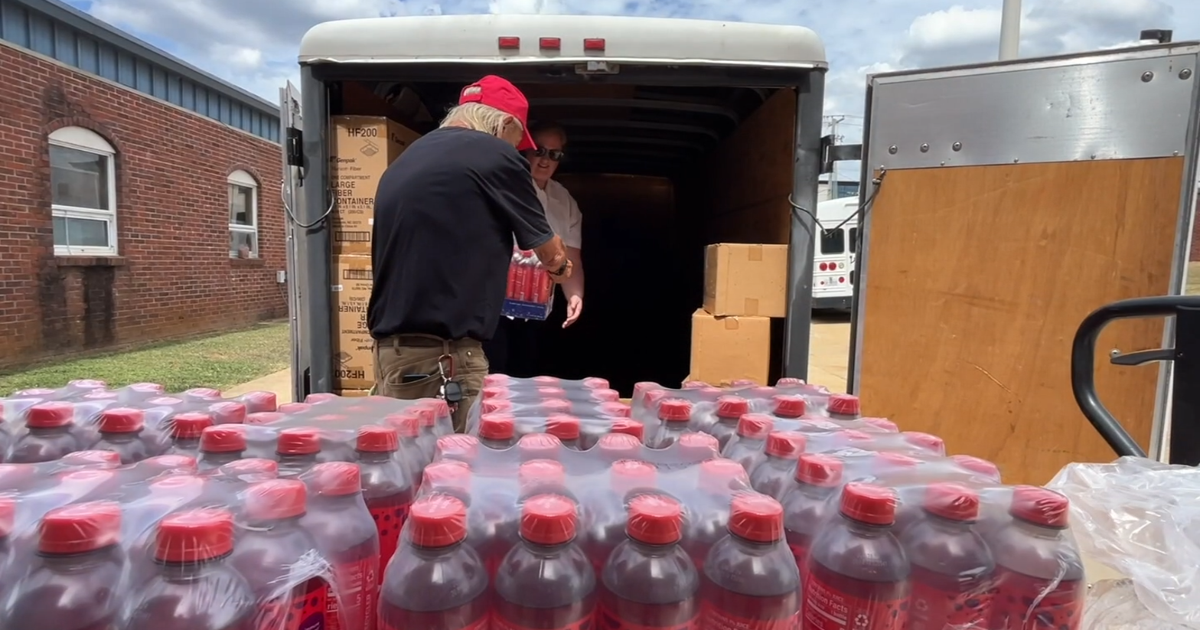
659,168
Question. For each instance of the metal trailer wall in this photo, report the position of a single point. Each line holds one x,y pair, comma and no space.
1009,201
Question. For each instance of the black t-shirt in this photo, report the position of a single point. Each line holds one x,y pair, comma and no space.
446,212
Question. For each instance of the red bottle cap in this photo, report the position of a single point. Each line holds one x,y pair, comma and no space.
8,515
164,401
11,475
823,471
552,392
87,478
146,388
1040,506
541,472
882,424
320,397
562,426
675,410
710,394
92,458
493,380
952,501
755,426
335,479
695,384
87,383
439,407
628,427
732,407
263,418
50,415
868,503
297,407
756,517
655,396
552,381
641,388
854,435
406,424
203,392
438,520
377,439
252,466
35,392
700,443
276,499
539,446
843,405
189,425
80,528
786,444
101,394
228,412
177,486
744,382
497,392
497,426
655,520
426,417
606,395
257,402
891,462
595,382
227,438
788,381
616,446
458,446
121,420
556,405
723,475
194,536
496,405
615,409
447,474
181,463
298,441
790,406
931,443
627,474
548,519
978,466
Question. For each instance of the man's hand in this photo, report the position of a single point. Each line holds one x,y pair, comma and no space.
574,309
559,278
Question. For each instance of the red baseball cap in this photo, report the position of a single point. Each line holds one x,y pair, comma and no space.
504,96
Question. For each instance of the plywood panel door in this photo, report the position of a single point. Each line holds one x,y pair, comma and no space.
977,280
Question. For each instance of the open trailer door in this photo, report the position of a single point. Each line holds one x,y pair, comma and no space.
1008,201
290,120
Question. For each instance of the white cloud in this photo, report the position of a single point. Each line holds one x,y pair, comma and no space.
253,44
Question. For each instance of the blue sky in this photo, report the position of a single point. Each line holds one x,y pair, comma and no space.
252,43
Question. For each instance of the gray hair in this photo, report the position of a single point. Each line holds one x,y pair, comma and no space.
479,117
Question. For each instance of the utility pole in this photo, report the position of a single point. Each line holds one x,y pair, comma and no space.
833,176
1010,29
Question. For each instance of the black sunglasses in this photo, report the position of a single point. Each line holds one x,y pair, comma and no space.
555,155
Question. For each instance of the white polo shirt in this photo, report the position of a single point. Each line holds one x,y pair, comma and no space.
562,213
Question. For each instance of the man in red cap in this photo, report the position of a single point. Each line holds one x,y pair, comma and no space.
446,214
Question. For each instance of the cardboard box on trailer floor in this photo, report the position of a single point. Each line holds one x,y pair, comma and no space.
353,355
745,279
726,349
361,148
353,393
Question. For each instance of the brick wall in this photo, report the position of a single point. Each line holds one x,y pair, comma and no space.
173,276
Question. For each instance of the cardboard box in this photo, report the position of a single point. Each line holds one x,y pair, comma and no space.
746,279
361,148
353,348
726,349
353,393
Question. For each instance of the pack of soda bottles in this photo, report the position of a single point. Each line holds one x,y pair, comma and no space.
562,508
530,291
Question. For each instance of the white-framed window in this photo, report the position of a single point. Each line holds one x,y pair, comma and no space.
83,193
243,215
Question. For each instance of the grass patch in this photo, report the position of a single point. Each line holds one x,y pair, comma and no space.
218,361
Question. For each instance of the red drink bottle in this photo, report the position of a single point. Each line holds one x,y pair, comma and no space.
746,448
808,506
435,581
546,582
773,476
339,521
386,485
729,410
649,581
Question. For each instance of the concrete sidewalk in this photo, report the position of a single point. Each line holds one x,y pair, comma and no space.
280,383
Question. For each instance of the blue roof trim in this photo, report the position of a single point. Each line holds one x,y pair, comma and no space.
73,37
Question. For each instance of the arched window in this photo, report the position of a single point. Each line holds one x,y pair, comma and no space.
83,193
243,215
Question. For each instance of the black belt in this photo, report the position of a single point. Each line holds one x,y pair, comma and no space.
431,341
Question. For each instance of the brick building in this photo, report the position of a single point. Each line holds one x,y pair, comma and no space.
139,196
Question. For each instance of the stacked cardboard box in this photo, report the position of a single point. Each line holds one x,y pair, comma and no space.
361,148
745,285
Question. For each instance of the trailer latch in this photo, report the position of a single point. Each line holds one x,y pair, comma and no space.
1142,356
831,152
293,147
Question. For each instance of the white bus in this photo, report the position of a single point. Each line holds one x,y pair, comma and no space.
834,254
680,133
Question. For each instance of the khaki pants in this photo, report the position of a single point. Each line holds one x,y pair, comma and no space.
419,354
